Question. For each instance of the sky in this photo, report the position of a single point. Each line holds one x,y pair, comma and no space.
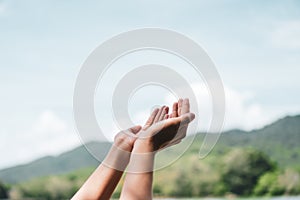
255,46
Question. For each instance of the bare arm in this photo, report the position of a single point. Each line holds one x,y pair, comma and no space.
159,133
103,181
138,185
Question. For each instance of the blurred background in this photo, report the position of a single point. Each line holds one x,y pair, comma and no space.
254,44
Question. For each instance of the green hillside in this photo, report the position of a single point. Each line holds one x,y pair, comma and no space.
66,162
260,162
279,140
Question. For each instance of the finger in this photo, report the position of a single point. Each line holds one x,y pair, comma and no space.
185,106
179,106
157,117
151,118
166,116
174,110
187,118
135,129
164,113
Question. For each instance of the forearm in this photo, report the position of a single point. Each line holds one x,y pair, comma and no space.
103,181
139,177
137,186
100,184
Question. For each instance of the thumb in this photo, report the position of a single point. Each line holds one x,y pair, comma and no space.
135,129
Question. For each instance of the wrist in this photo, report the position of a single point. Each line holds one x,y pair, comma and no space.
117,158
142,157
124,142
143,145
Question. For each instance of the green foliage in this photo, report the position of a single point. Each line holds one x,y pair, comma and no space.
290,181
243,169
51,187
157,191
183,186
278,183
268,185
3,191
239,171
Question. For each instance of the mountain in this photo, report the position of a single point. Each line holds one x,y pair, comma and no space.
280,140
50,165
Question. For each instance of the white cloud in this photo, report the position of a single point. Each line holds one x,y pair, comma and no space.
49,123
49,135
241,110
287,35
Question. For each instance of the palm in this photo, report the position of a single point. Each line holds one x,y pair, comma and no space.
166,130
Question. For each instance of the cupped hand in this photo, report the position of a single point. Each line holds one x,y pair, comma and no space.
162,130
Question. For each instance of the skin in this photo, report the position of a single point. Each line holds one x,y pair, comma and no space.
160,131
103,181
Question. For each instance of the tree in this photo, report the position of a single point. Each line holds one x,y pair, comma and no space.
268,185
289,180
243,168
3,191
183,186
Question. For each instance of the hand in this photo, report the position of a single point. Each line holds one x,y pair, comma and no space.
163,130
126,138
119,154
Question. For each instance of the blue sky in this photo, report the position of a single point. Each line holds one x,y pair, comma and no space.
255,45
